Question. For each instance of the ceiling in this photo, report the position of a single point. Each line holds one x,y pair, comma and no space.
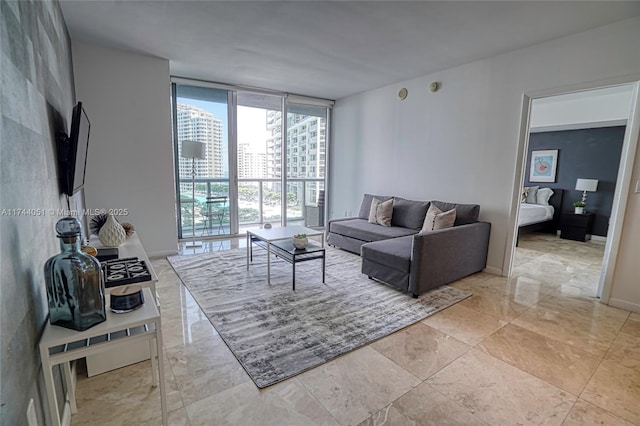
328,49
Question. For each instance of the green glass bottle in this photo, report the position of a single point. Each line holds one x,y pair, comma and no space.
75,287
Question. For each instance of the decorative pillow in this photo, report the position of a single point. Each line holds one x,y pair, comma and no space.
525,192
543,196
384,212
531,195
437,219
373,210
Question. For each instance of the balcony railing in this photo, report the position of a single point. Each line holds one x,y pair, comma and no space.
259,201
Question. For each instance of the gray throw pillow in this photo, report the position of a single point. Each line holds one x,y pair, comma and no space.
437,219
532,195
384,213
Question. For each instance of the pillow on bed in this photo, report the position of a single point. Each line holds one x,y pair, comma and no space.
543,195
532,194
525,192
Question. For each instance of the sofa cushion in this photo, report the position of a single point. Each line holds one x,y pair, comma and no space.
408,213
361,229
394,253
437,219
465,213
365,206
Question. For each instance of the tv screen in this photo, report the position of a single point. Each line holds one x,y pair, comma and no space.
75,155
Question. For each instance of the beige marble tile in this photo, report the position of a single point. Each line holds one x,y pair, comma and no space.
286,403
625,351
423,406
358,384
474,278
499,393
585,308
420,349
586,414
204,368
632,325
586,335
465,324
496,305
185,326
544,271
124,396
557,363
175,418
615,389
522,290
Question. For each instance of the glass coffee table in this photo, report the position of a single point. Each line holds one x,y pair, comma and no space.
279,242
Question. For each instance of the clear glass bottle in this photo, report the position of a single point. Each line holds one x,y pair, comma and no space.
75,287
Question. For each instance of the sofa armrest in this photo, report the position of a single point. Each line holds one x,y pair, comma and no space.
446,255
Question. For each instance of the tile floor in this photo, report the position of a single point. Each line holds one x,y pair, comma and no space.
534,349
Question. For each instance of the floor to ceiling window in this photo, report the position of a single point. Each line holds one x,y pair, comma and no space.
201,115
252,154
306,164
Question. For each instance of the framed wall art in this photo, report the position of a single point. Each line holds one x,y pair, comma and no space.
543,166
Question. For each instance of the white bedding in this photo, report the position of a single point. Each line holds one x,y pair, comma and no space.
534,213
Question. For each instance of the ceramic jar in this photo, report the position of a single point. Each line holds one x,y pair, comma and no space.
300,242
112,234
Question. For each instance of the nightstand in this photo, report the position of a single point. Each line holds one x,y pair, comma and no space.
576,226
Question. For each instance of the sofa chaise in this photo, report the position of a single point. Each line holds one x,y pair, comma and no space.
407,259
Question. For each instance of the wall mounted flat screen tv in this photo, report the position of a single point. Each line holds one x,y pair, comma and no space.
73,155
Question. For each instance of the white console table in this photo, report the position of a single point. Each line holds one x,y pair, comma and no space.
60,345
138,351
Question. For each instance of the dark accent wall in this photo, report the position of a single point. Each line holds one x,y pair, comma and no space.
36,100
585,153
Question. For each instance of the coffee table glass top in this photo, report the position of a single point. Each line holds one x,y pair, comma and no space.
283,233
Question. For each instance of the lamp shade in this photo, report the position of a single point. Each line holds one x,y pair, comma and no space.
590,185
193,149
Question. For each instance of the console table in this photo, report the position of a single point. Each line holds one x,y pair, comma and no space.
139,351
60,345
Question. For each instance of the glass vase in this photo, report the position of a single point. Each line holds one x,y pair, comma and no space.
75,286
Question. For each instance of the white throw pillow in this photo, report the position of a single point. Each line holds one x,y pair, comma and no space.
437,219
380,212
543,195
384,212
373,210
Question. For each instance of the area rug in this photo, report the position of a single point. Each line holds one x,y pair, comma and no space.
275,332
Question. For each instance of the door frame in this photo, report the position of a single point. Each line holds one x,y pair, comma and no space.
623,183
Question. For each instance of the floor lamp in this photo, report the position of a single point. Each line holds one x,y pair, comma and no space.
193,150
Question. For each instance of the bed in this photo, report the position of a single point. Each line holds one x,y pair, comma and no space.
541,218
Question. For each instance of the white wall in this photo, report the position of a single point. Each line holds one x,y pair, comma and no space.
460,143
593,108
130,161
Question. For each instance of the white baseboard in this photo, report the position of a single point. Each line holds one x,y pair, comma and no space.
493,271
623,304
162,253
598,239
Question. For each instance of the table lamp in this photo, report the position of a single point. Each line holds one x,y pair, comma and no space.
586,185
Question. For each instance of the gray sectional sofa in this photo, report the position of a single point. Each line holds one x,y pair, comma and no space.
401,256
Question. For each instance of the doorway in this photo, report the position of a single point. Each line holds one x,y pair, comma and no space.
569,110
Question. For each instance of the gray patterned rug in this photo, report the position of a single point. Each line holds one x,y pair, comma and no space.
277,333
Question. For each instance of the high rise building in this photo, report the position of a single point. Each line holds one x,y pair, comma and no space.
199,125
251,164
305,149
